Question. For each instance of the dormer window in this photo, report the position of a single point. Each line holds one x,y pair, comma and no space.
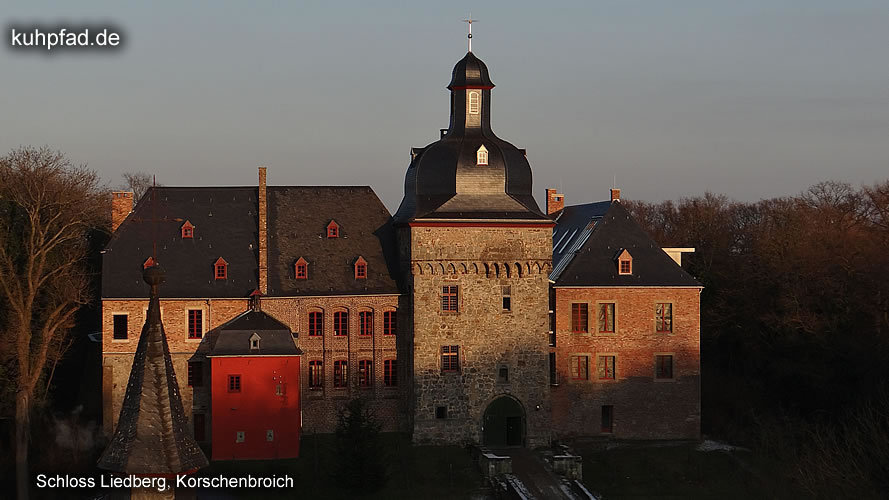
474,100
301,270
187,230
254,341
481,156
360,269
624,263
333,230
220,269
149,262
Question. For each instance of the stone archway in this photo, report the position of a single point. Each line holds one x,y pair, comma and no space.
503,423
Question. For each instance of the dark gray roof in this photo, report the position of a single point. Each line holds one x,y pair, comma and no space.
444,180
574,224
233,337
225,225
152,435
595,263
297,227
470,72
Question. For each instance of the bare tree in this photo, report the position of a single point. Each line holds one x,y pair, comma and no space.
47,209
138,183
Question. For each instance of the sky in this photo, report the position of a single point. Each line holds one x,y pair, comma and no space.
752,99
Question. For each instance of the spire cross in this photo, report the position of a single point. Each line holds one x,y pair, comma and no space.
469,22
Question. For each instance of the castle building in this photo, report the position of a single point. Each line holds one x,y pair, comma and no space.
470,316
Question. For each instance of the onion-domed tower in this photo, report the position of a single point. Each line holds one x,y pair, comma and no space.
475,250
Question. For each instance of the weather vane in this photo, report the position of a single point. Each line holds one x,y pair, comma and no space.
469,22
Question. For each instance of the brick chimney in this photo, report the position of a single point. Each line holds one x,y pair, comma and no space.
555,201
615,194
263,235
121,206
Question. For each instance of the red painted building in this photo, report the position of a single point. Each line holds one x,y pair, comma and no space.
255,389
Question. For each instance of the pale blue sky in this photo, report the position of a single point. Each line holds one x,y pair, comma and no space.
752,99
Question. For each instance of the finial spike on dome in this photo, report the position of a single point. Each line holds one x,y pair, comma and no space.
469,22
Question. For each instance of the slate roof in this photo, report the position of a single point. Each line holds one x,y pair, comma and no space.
152,434
225,225
444,180
574,224
594,263
297,227
233,337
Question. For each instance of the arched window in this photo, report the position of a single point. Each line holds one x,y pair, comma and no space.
482,156
366,321
390,325
341,374
341,323
316,374
316,323
365,373
474,100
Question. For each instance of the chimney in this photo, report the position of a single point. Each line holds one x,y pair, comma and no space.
615,194
555,201
263,235
121,206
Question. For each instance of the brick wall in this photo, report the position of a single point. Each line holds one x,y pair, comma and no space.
644,407
117,355
121,206
479,261
320,406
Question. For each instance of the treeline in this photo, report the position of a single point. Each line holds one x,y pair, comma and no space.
795,326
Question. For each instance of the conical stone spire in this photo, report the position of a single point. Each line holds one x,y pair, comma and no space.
152,436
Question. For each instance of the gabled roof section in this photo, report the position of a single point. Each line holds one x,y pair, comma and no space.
298,217
227,218
233,338
595,264
574,224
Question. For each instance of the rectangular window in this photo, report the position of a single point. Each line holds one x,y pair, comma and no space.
234,383
606,368
302,271
580,318
361,271
200,426
449,298
552,369
220,271
390,373
507,298
450,358
340,323
195,323
608,418
663,369
580,367
316,323
195,374
441,412
606,317
626,267
120,327
340,374
316,374
390,324
365,373
663,314
366,320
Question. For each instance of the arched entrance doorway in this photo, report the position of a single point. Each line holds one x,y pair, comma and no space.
504,423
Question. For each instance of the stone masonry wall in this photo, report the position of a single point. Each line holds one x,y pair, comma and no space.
479,260
644,408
